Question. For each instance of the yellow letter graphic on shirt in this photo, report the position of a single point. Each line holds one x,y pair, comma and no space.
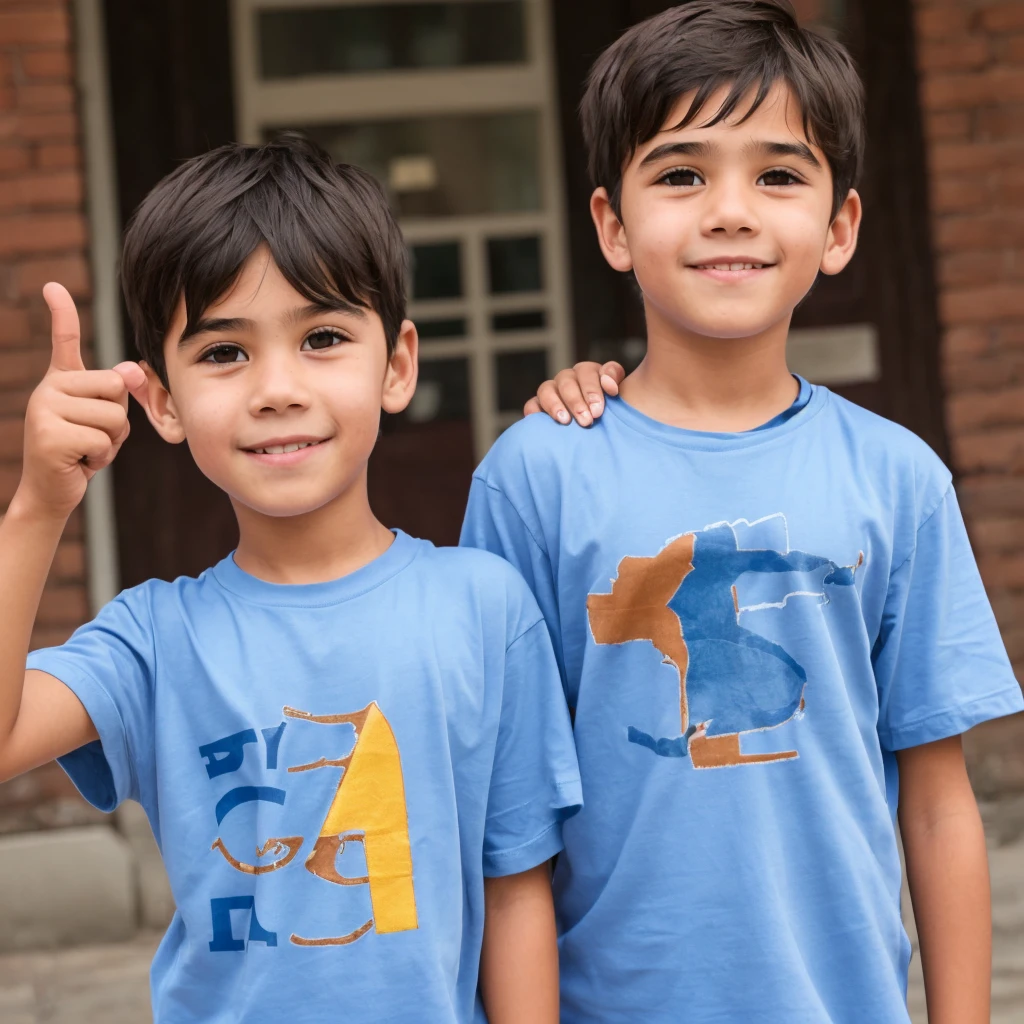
369,808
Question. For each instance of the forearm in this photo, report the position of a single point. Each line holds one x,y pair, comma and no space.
28,541
947,868
519,961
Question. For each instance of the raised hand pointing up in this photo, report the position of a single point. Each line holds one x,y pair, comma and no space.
76,419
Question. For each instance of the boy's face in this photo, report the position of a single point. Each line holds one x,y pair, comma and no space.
280,401
727,227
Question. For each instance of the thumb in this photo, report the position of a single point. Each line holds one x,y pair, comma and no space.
135,381
65,332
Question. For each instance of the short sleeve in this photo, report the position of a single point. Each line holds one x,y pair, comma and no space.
940,662
108,664
494,524
535,782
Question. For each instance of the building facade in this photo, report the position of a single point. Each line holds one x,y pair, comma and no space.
466,112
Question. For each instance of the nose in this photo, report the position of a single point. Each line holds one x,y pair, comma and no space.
730,209
278,385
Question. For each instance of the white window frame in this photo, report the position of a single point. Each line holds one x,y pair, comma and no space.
379,95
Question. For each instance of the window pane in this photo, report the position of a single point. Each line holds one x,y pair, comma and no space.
436,271
527,320
514,265
519,375
445,166
380,37
431,329
442,392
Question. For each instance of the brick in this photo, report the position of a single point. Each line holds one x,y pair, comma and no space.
964,269
20,27
992,494
37,127
50,96
992,371
69,562
10,475
49,63
991,451
1009,187
999,534
63,605
999,122
23,368
956,55
995,302
1012,49
959,194
51,156
942,22
970,341
6,69
960,90
14,326
947,124
976,156
41,232
980,231
1005,571
1004,17
61,189
12,434
13,157
980,409
72,271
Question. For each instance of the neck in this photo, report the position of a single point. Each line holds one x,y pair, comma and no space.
713,384
330,542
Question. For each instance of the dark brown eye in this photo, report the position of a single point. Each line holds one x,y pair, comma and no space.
322,339
778,178
225,354
682,178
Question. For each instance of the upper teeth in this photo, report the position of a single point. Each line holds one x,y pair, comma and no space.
283,449
734,266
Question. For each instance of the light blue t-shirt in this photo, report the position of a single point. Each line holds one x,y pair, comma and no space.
748,627
330,771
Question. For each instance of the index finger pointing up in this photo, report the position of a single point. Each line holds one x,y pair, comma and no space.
65,330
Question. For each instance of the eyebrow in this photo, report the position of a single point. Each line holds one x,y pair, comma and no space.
708,150
242,325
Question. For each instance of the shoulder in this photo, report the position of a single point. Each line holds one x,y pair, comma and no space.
890,456
480,580
535,447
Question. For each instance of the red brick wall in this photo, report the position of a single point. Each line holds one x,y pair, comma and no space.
971,61
42,237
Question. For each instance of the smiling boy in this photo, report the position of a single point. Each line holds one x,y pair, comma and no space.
350,744
770,626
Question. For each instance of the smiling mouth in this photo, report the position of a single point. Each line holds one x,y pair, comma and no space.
731,266
284,449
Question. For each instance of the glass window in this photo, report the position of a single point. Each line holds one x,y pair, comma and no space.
519,375
382,37
445,166
430,330
436,271
514,265
527,320
442,392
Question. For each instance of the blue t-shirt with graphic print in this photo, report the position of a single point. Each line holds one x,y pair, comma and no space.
330,772
749,626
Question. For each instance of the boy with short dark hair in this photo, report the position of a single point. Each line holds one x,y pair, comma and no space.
350,744
763,601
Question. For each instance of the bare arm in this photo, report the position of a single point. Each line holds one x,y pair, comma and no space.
519,962
74,425
947,867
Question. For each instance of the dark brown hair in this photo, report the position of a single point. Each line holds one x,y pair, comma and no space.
748,45
327,226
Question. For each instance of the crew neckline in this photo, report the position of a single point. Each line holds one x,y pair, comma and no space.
402,550
706,440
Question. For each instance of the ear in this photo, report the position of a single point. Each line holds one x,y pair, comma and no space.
154,397
611,235
402,371
841,243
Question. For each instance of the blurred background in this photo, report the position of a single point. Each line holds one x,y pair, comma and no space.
466,112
